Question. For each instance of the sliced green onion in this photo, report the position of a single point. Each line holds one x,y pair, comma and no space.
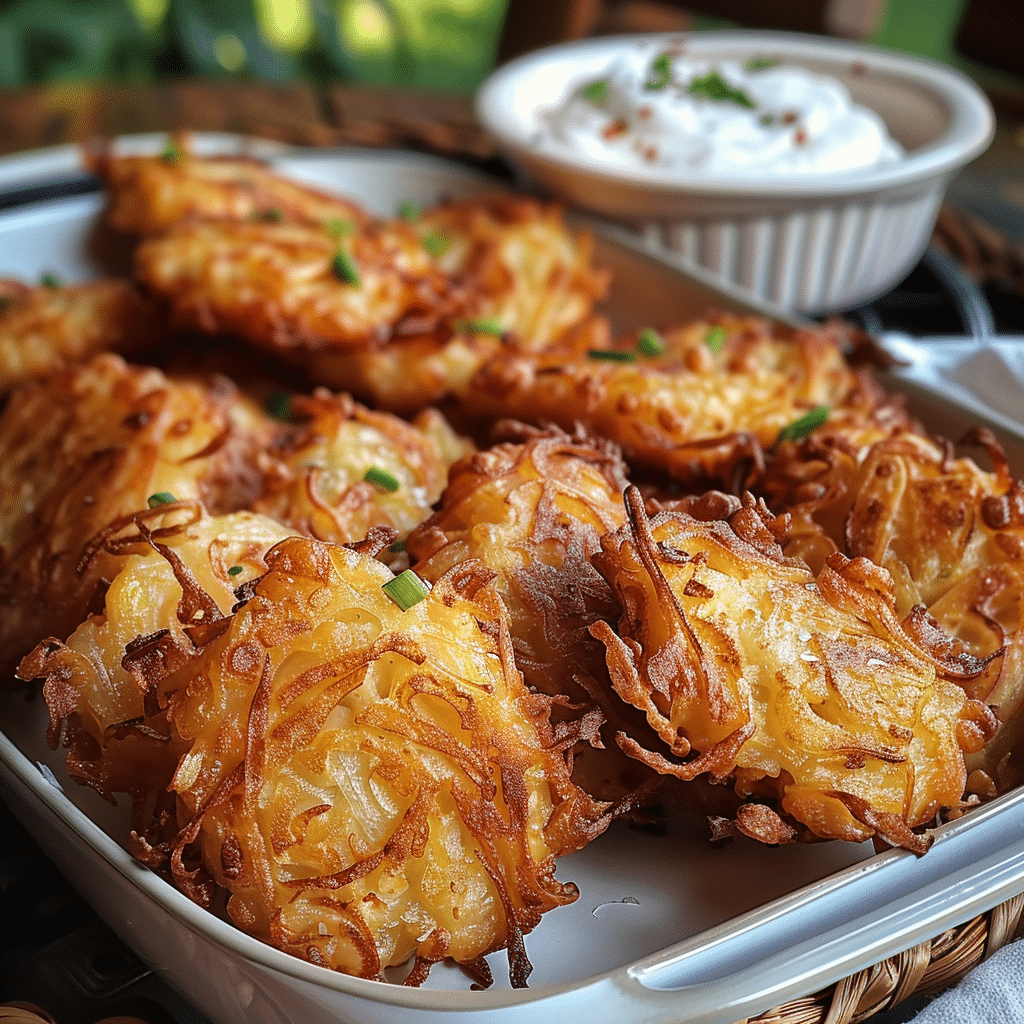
171,153
612,355
270,216
713,86
804,425
715,339
50,281
408,210
406,590
436,243
660,73
382,479
279,405
160,498
485,327
338,227
650,342
344,267
595,92
761,63
397,548
235,570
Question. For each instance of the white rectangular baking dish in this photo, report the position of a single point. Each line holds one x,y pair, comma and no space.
666,928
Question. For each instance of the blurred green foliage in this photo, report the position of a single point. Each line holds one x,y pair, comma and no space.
445,44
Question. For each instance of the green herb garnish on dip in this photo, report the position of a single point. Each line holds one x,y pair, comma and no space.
761,63
713,86
596,92
660,73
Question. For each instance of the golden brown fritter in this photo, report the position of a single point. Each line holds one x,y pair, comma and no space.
717,396
368,783
342,469
808,692
46,329
149,194
295,286
88,446
175,570
528,284
535,512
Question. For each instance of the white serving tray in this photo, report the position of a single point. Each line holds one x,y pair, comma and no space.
666,928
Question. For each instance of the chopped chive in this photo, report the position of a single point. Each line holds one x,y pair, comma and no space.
279,405
406,590
660,73
235,570
397,548
344,267
715,339
382,479
713,86
761,63
408,210
271,216
338,227
484,327
611,355
171,153
804,425
50,281
160,498
436,243
650,342
595,92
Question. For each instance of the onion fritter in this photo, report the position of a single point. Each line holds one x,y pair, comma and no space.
804,690
344,469
296,286
177,571
88,446
528,284
46,329
367,783
716,396
148,194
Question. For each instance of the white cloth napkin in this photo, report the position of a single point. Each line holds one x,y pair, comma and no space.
993,993
987,377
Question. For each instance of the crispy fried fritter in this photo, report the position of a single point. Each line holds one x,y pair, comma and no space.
88,446
285,286
177,569
808,691
535,512
367,783
528,283
698,411
343,469
46,329
148,194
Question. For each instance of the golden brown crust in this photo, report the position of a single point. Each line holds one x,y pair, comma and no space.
805,690
46,329
149,194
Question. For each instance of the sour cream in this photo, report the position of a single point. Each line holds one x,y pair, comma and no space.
665,110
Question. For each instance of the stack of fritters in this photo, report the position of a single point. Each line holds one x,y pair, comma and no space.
377,767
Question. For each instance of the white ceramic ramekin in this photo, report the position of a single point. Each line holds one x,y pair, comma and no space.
812,244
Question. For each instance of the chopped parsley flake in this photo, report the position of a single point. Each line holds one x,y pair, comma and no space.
713,86
408,210
659,73
595,92
436,243
50,281
338,227
171,153
804,425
